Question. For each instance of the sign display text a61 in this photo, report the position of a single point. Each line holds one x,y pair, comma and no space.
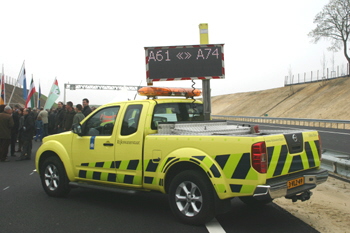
185,62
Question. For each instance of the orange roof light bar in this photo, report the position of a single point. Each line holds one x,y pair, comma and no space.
168,91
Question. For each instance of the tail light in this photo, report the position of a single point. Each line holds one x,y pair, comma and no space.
319,147
259,157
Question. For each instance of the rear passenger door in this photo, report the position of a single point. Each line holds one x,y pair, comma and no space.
129,144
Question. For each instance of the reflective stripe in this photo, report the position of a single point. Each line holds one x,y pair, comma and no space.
132,165
231,174
281,162
92,142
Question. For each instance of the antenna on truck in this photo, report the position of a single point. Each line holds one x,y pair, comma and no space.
137,90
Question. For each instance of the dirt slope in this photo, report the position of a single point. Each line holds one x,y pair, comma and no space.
322,100
17,97
327,210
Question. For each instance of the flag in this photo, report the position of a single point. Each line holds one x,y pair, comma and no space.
30,102
2,85
22,81
39,95
53,95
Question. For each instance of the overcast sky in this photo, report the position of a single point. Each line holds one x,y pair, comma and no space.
102,42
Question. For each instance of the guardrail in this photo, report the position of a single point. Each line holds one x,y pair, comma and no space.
338,124
337,163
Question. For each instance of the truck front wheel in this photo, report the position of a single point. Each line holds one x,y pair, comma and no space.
53,177
191,197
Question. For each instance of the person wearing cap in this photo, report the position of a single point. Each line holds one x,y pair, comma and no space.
6,124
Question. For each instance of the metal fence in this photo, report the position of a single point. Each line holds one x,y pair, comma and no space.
10,80
317,76
338,124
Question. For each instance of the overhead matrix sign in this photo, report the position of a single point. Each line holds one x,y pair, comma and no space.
185,62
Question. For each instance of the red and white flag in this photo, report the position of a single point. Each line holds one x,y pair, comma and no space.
30,102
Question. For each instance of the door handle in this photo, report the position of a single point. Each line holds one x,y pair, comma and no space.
108,144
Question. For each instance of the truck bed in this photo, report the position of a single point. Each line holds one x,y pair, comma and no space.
213,128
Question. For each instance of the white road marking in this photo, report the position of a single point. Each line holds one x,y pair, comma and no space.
333,132
310,129
214,227
6,188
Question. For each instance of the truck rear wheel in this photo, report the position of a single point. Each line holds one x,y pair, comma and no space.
191,197
53,177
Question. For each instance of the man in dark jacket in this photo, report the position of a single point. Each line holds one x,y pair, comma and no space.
28,129
51,118
68,117
6,123
14,130
86,110
59,118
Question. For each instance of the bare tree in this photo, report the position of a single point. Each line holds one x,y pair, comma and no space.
333,23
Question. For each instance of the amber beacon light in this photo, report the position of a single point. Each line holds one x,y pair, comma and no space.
168,91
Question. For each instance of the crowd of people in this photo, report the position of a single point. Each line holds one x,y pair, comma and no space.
20,126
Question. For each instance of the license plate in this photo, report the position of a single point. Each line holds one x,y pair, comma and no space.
295,183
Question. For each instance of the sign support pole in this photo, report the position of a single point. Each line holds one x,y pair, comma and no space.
204,39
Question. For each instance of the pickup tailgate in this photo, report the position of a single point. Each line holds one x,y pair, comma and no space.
292,152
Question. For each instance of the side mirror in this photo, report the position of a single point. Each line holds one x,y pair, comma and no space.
77,129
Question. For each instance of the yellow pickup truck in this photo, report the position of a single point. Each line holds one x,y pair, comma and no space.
164,145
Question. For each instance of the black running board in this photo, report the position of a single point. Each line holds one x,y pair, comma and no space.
100,187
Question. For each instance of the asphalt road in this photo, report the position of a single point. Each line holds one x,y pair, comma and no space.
332,139
24,207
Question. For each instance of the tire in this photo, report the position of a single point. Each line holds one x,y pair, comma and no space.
54,178
191,197
251,201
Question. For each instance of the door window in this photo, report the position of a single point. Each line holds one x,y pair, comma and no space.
131,119
102,122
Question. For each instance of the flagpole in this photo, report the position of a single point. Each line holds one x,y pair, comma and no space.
38,102
3,83
34,93
14,86
64,97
